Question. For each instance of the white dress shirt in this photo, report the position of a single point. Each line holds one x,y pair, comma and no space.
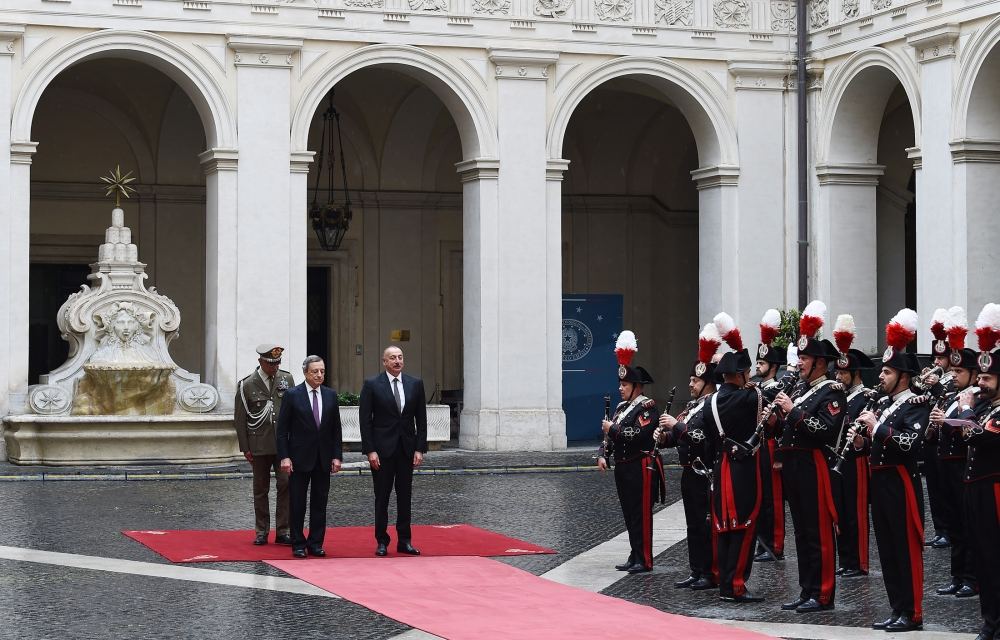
402,395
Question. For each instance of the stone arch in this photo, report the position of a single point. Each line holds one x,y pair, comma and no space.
703,106
166,56
974,109
854,101
467,105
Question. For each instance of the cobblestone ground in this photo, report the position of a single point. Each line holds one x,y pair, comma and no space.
567,511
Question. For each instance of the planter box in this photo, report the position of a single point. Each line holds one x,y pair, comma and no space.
438,423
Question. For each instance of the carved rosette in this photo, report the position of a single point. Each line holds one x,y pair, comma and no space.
48,399
783,16
198,398
552,8
851,8
732,14
614,10
879,5
491,7
819,13
428,5
673,12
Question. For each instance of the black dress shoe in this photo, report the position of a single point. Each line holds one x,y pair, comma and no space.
299,553
881,625
987,633
282,538
381,550
317,551
794,604
260,539
764,556
905,623
625,565
853,573
746,598
703,584
685,583
941,542
639,567
839,572
967,591
812,605
948,590
407,548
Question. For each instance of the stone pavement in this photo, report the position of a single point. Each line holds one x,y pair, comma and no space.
553,505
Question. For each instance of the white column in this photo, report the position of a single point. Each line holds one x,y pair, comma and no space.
269,269
9,35
299,231
940,226
221,271
718,241
977,227
555,168
760,122
844,242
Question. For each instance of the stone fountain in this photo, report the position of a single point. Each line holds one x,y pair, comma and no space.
120,398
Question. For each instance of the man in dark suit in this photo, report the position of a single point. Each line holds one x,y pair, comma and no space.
393,416
310,448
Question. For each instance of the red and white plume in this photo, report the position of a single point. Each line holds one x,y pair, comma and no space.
988,326
728,330
813,317
937,324
901,330
769,326
625,347
844,332
709,342
957,327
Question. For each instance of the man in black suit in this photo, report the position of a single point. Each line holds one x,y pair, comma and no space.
310,448
393,416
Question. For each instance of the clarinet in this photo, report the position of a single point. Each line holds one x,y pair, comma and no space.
605,450
748,448
873,399
656,443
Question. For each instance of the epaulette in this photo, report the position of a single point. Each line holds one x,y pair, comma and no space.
921,399
649,404
244,378
284,372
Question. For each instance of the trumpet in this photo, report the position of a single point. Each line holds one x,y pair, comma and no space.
748,448
922,382
873,399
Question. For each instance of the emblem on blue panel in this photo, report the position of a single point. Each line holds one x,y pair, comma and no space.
577,340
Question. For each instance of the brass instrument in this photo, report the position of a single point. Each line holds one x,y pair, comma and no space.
874,396
748,448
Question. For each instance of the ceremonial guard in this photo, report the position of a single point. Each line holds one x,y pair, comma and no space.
896,494
771,523
258,399
942,511
731,417
850,482
696,451
628,437
982,472
952,452
811,420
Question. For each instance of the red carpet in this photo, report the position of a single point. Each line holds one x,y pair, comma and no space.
340,542
478,599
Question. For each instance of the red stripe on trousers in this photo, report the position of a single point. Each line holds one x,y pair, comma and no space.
861,464
647,513
777,503
915,544
996,494
739,585
728,498
827,513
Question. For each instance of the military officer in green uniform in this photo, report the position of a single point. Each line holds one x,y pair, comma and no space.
258,399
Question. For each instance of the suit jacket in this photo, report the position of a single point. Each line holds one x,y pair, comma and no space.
384,429
297,435
253,395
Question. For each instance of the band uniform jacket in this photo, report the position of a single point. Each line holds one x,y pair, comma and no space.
384,429
690,438
899,432
816,418
257,409
857,399
736,499
984,443
631,433
298,436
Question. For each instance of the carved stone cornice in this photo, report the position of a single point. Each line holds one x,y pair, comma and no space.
478,169
300,161
760,75
257,51
555,168
720,175
968,150
915,154
849,173
215,160
21,152
9,35
511,64
935,43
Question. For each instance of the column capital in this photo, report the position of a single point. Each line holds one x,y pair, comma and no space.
478,169
849,173
215,160
511,64
257,51
9,35
720,175
975,151
300,161
761,75
555,168
917,155
935,43
21,151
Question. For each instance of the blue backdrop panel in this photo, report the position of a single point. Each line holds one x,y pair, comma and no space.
591,324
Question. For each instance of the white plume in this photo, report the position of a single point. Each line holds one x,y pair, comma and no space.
724,323
626,340
940,315
989,316
816,309
906,318
845,322
956,318
710,332
772,318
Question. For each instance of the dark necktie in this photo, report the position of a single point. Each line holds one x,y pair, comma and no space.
316,407
395,392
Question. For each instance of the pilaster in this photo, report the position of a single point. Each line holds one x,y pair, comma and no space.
718,239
